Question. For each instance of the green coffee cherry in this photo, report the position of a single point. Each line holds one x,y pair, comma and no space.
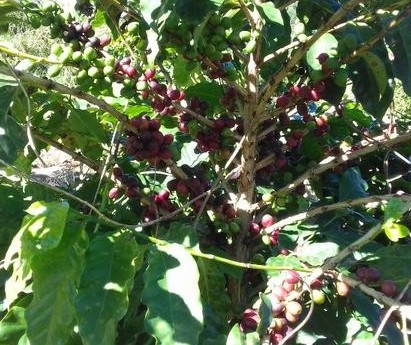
93,72
54,70
250,47
56,49
90,53
244,36
132,28
77,56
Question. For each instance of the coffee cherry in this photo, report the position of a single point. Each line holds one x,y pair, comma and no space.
323,57
292,142
173,94
291,317
316,284
130,71
318,296
149,74
89,53
117,172
292,277
254,229
164,194
277,307
132,28
343,289
294,308
389,288
267,220
279,292
114,193
244,36
288,286
282,101
267,197
250,320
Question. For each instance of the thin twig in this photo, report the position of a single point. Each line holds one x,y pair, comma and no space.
331,162
28,115
277,78
154,240
374,199
75,155
388,314
19,54
366,46
220,177
306,319
379,296
47,84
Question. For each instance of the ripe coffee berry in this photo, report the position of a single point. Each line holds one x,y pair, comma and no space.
292,277
267,220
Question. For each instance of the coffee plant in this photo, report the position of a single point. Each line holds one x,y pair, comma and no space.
247,175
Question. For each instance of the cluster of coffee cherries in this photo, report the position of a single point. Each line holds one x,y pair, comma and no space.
262,228
145,142
371,276
286,308
186,122
224,217
160,204
163,97
331,70
196,184
229,98
127,185
208,138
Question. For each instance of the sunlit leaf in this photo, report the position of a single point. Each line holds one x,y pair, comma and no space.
107,279
50,316
172,296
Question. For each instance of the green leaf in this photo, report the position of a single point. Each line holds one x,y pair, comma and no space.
399,41
354,112
6,97
215,330
378,70
172,296
282,261
352,185
365,307
395,231
265,314
206,91
271,12
395,209
316,253
50,316
194,11
393,262
41,230
183,75
367,91
154,9
12,326
236,337
85,123
212,286
181,233
44,230
107,279
189,155
311,147
325,44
